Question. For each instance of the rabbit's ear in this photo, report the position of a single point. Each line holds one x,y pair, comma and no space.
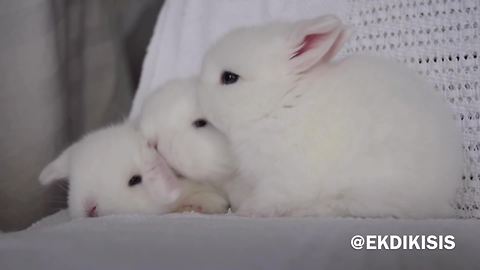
316,40
57,169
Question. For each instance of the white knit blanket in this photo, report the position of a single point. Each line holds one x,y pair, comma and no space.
438,38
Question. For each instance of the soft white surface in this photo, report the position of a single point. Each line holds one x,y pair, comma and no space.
192,241
54,219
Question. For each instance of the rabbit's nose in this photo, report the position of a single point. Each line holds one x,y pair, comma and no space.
152,144
92,211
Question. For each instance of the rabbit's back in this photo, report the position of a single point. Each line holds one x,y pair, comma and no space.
368,129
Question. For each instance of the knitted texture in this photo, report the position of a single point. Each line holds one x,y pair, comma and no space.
440,40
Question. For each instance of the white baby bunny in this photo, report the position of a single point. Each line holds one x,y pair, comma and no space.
114,171
171,120
358,137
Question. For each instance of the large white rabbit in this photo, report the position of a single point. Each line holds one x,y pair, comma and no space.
357,137
114,171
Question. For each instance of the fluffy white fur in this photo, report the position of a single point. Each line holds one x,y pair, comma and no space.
167,120
100,165
359,137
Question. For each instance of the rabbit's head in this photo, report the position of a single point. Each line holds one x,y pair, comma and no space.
248,71
172,122
114,171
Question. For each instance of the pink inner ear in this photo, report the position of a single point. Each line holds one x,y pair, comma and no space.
162,167
337,45
309,42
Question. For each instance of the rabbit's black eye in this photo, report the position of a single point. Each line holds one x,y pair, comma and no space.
229,77
199,123
135,180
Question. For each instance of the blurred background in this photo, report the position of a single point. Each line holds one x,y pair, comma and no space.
66,67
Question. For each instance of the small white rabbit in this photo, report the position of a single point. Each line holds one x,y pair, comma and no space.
114,171
171,120
359,137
